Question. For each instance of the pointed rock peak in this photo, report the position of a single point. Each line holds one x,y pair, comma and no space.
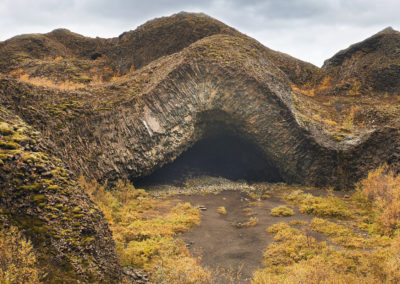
387,30
386,39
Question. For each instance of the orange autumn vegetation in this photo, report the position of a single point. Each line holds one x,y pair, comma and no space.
380,192
44,82
17,259
296,256
309,90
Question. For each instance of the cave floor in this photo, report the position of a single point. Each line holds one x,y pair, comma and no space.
227,245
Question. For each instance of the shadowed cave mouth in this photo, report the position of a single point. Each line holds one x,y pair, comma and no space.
220,154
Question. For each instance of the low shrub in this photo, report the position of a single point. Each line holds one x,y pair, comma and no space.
221,210
322,206
380,192
251,222
282,211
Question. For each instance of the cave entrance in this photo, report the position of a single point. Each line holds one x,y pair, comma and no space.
220,154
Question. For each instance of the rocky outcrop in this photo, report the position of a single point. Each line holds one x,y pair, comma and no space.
374,62
135,125
69,232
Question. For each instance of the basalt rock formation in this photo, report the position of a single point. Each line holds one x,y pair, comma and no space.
127,106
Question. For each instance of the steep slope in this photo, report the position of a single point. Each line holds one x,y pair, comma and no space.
39,195
161,37
374,62
356,91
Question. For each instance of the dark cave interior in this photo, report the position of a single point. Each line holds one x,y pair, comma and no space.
219,154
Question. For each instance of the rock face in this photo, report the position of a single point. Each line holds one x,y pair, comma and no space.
374,62
147,118
127,106
38,194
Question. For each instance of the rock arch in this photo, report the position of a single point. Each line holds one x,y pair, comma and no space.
175,116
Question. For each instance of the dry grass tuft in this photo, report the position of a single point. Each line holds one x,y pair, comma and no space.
17,259
327,206
221,210
380,192
282,211
251,222
144,230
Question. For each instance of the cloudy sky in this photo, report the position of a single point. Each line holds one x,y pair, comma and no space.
311,30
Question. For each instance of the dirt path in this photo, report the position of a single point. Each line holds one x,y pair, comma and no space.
225,246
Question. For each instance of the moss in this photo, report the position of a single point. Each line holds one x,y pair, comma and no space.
76,210
30,187
58,206
4,211
46,181
5,157
9,145
20,139
54,187
88,240
38,198
5,129
16,181
265,196
40,166
78,216
53,216
59,172
41,229
33,157
250,223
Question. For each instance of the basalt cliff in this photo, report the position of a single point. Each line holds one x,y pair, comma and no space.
125,107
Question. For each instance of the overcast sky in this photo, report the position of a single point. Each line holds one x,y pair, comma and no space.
311,30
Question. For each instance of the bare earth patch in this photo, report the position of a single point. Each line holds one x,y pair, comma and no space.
222,243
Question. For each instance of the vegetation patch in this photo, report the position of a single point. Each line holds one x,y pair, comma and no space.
221,210
378,197
327,206
345,236
144,230
296,257
282,211
17,258
250,223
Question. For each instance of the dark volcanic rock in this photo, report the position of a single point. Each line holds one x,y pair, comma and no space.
375,62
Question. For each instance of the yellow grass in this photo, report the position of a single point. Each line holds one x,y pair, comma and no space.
144,231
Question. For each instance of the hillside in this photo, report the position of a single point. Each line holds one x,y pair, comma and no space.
128,107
